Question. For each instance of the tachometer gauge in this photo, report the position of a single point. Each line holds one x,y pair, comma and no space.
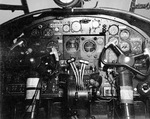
76,26
113,30
124,34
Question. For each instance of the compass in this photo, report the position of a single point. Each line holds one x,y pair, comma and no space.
67,3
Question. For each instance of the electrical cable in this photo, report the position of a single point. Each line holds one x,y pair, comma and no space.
112,87
75,73
78,79
81,73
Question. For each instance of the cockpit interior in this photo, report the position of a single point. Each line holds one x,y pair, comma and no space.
75,63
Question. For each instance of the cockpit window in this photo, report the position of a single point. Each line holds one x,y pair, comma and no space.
34,5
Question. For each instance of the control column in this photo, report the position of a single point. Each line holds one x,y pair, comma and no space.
126,94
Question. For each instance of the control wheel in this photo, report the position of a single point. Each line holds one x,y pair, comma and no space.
124,60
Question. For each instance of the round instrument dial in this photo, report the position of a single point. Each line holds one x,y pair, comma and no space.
95,24
48,32
66,1
72,46
50,45
89,46
125,46
124,34
100,41
76,26
114,40
113,29
35,32
66,28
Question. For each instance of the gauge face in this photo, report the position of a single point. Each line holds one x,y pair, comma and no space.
35,32
113,29
48,32
89,46
114,40
66,28
136,45
66,1
125,46
100,41
72,46
95,24
124,34
50,45
76,26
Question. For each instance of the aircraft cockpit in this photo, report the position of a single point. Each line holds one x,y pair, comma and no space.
72,62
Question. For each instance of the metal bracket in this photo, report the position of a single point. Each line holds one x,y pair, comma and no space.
134,6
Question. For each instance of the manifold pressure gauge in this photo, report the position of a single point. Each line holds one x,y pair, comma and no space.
67,3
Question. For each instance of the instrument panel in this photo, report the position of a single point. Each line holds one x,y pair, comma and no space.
84,37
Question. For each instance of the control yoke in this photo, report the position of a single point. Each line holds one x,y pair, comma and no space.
123,60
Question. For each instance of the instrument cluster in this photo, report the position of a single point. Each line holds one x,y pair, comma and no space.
84,37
